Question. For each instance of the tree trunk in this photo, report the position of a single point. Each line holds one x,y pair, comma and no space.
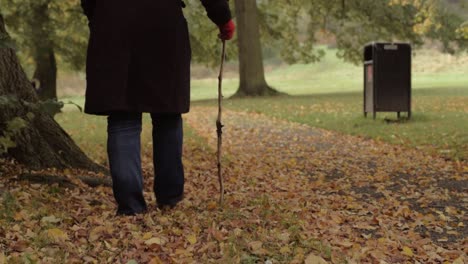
44,55
252,74
42,143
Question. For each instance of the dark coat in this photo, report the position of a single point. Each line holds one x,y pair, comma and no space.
139,55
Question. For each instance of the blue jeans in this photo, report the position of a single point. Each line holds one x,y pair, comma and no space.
123,149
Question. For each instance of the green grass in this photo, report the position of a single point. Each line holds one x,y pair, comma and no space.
439,124
329,95
331,75
90,133
9,207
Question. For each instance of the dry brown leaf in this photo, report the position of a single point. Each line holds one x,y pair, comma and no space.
154,240
156,260
255,245
57,235
314,259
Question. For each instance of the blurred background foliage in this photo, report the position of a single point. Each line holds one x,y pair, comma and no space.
293,31
63,25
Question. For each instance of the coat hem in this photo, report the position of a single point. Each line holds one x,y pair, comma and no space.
141,110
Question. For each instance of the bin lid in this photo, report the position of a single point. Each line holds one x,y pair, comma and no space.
387,45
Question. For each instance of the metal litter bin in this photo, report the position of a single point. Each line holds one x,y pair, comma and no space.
387,78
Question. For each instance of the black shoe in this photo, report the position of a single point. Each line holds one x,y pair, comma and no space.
127,213
170,203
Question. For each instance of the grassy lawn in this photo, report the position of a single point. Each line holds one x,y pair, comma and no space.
332,75
90,133
329,95
439,124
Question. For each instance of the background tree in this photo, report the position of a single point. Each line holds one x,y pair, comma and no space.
51,33
48,33
395,20
27,134
293,27
251,71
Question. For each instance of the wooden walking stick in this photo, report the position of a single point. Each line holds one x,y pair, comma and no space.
219,124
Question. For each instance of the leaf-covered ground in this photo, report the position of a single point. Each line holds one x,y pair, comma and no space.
294,194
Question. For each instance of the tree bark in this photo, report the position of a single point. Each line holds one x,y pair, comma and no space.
251,71
42,143
44,55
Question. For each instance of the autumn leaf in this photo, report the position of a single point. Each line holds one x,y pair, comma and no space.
285,250
257,248
314,259
147,235
156,260
212,205
255,245
20,246
96,233
154,240
57,235
51,219
18,216
407,251
192,239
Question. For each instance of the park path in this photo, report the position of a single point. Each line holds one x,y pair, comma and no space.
369,200
294,194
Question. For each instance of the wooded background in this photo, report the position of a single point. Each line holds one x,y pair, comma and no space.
51,35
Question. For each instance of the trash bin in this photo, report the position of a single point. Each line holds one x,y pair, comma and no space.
387,78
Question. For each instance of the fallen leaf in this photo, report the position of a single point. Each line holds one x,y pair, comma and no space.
407,251
255,245
51,219
156,260
96,233
154,240
192,239
16,228
285,250
147,236
284,237
212,205
20,246
89,259
182,252
314,259
57,235
257,248
18,216
345,244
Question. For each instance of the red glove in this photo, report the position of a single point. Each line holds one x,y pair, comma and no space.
226,31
